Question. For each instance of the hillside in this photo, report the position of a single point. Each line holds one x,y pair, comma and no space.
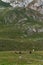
21,29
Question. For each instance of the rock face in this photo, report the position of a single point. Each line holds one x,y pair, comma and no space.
19,3
22,3
33,4
37,5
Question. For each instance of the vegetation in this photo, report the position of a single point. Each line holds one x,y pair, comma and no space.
21,42
16,29
11,58
3,4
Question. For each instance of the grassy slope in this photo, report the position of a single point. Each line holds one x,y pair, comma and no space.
11,58
13,35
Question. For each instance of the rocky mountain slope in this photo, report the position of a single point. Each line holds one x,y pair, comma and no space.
33,4
37,5
18,3
20,28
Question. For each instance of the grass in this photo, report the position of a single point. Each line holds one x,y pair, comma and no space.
12,38
11,58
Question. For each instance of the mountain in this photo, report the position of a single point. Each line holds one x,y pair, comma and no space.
18,3
21,29
33,4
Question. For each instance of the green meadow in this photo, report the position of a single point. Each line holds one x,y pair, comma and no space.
12,58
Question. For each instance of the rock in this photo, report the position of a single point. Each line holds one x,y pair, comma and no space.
20,57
